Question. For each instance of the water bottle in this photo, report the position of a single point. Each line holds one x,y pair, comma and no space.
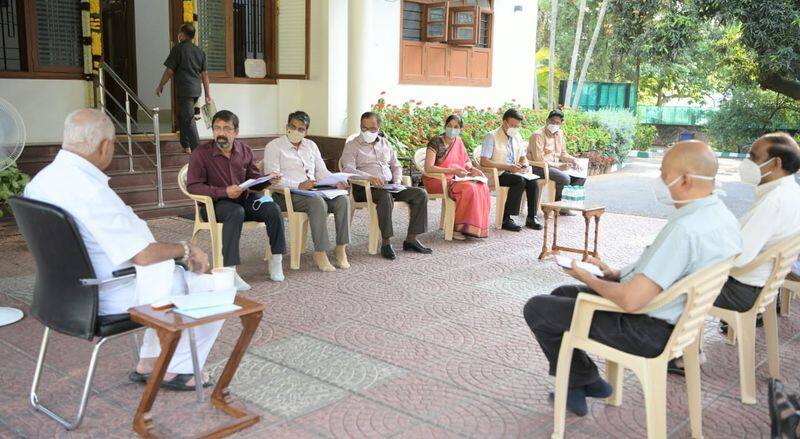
567,195
581,194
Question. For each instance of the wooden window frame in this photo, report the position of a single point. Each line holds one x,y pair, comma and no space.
471,46
270,47
30,51
453,26
426,11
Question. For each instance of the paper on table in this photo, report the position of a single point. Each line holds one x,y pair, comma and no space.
334,179
567,263
204,300
582,171
206,312
254,181
472,178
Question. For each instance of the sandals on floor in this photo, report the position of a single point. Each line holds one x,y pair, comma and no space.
179,382
137,377
673,368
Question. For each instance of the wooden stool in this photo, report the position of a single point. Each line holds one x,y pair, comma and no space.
588,213
169,326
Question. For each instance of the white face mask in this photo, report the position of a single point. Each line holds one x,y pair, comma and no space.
295,136
369,136
512,132
663,195
553,128
750,171
452,132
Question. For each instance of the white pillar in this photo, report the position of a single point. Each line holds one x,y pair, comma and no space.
359,41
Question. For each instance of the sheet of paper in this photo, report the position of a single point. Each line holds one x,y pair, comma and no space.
394,188
472,178
155,281
529,176
567,263
582,171
208,111
327,193
206,312
204,300
255,181
334,179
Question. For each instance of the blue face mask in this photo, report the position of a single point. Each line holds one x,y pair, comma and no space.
264,199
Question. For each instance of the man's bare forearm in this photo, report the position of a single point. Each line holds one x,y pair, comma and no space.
158,252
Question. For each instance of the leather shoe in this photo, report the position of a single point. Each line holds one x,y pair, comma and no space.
510,225
417,247
568,213
388,252
533,223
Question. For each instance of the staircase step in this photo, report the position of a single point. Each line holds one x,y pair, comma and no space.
171,208
145,194
122,179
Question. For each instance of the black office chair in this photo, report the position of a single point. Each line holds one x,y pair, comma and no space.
65,298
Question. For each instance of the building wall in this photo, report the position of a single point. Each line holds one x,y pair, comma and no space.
512,61
44,104
152,48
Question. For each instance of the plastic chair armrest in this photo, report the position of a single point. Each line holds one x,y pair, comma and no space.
367,189
544,166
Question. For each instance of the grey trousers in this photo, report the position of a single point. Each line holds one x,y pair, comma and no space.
384,200
318,209
561,179
189,136
737,296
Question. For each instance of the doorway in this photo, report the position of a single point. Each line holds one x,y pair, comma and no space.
119,52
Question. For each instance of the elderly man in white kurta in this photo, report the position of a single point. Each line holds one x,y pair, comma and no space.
115,238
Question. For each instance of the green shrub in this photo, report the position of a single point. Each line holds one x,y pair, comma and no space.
12,182
645,136
621,127
409,126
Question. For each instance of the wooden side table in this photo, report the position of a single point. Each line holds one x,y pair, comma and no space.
169,326
588,212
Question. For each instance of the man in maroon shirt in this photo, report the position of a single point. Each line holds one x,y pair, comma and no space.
216,169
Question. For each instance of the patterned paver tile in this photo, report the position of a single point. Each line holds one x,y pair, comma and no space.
356,417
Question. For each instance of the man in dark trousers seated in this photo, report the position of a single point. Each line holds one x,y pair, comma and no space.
216,169
701,232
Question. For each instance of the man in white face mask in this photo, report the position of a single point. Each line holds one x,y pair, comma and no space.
701,232
771,167
548,145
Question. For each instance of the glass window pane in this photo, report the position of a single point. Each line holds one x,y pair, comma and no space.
412,21
58,26
211,33
464,33
435,30
248,33
465,17
436,14
10,37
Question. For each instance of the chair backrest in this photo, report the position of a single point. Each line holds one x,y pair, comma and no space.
182,179
782,255
60,302
701,289
419,159
476,156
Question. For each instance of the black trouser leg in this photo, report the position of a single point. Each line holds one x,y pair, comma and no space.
737,296
189,136
231,214
549,316
417,200
515,185
269,214
532,191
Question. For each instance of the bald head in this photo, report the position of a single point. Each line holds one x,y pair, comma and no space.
85,130
691,157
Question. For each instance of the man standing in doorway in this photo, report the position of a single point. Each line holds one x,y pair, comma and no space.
187,64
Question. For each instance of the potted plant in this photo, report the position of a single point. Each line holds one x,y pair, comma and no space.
12,182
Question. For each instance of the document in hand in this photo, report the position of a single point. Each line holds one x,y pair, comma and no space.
529,176
256,181
334,179
393,188
472,178
208,111
326,193
567,263
582,171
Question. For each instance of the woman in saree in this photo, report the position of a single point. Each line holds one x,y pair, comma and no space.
447,155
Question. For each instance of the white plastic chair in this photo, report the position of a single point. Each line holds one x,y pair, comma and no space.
448,215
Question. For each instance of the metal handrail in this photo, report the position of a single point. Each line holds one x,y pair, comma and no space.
100,94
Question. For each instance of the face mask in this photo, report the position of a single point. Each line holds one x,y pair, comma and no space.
512,132
553,128
369,136
264,199
295,136
663,195
452,132
750,171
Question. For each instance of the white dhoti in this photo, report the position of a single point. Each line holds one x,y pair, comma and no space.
155,282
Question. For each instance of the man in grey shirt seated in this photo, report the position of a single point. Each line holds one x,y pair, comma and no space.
187,65
701,232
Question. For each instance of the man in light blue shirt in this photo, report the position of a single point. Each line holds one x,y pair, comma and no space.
701,232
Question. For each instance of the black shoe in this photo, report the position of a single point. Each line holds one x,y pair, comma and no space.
533,223
510,225
417,247
674,369
388,252
567,213
723,326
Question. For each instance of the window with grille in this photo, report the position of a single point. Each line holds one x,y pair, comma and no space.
212,34
483,31
58,25
412,21
10,38
248,33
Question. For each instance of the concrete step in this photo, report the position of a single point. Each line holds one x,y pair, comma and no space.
171,208
122,179
147,194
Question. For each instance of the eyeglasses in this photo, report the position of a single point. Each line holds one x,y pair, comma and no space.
225,129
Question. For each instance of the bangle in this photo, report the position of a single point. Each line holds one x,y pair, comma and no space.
187,251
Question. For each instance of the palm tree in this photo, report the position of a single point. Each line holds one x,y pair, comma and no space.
536,104
588,58
575,47
553,17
